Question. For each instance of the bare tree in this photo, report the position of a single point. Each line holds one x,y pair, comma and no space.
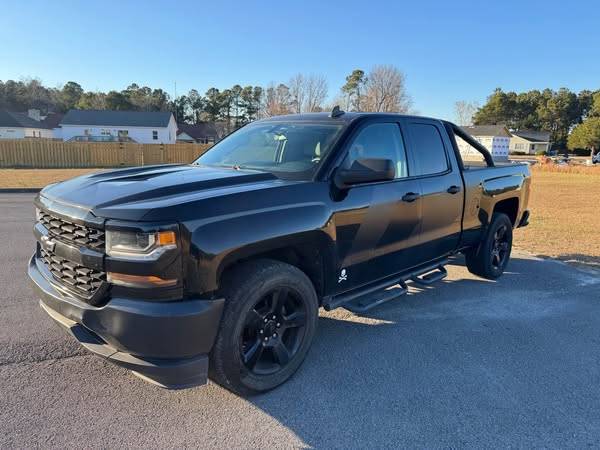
340,100
298,93
316,93
386,91
464,112
278,101
307,93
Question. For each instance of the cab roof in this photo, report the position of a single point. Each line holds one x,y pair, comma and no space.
345,117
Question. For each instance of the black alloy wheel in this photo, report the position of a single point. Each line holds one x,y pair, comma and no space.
273,332
268,323
500,247
491,256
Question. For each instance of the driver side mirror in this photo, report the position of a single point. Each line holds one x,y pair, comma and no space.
368,170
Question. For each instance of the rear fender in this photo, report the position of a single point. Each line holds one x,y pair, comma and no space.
498,189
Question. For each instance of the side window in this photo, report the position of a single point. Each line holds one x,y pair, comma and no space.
380,140
428,149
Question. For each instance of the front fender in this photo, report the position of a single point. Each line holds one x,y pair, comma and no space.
217,242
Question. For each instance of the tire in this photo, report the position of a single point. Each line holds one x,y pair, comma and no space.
491,257
269,321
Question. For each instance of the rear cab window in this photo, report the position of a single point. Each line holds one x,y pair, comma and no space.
428,151
469,154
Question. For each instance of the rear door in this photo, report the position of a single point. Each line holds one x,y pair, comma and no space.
376,229
435,166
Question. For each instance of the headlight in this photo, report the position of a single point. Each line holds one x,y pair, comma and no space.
139,246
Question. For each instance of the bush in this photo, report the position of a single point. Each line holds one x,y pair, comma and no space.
540,153
515,152
579,169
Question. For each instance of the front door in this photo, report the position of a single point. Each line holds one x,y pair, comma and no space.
375,227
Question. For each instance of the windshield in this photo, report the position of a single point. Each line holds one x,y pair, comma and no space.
287,149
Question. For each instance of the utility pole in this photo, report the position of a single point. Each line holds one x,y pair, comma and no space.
175,102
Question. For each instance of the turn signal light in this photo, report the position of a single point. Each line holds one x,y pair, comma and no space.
166,238
139,281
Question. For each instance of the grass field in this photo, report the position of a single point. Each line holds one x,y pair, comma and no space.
37,178
565,207
565,220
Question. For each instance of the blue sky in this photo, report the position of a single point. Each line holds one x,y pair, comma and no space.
449,51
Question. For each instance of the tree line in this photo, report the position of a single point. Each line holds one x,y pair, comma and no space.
381,89
557,112
573,119
27,94
587,133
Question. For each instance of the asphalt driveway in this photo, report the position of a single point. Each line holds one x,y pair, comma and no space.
468,363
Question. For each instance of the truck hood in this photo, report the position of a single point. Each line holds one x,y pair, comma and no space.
130,193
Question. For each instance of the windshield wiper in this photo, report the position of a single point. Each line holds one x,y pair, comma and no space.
242,167
234,167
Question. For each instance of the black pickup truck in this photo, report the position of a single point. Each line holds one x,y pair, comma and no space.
219,267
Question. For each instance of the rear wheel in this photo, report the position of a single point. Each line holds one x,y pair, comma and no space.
492,256
267,327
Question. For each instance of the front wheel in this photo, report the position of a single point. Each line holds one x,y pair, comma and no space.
268,324
491,257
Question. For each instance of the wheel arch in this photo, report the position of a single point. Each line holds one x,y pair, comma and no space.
510,207
311,252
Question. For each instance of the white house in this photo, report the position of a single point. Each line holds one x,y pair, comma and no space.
146,127
496,138
14,125
530,141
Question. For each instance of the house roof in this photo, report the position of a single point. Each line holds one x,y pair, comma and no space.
18,120
487,130
533,135
157,119
198,130
183,136
52,120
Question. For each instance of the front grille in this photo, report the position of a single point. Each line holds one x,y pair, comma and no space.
71,232
79,279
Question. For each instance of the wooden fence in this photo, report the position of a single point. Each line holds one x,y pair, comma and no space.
46,153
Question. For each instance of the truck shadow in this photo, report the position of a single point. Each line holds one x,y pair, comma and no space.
410,369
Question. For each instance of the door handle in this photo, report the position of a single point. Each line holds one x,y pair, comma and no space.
410,197
453,190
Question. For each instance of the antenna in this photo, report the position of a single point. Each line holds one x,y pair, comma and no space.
336,111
